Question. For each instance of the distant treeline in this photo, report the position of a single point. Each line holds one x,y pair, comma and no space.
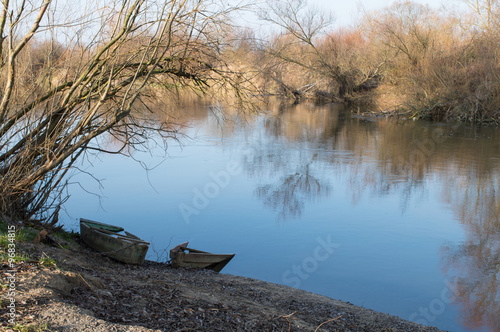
434,64
430,63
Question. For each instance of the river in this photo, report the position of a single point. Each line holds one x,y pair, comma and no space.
402,217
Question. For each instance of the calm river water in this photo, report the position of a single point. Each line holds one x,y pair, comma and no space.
399,217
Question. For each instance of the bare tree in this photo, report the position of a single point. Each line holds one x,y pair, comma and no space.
486,13
305,43
407,28
52,110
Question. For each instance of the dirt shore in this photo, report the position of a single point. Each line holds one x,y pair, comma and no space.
90,292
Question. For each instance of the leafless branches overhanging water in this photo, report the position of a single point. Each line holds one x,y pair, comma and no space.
52,110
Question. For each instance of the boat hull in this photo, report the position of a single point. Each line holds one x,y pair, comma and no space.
181,256
126,249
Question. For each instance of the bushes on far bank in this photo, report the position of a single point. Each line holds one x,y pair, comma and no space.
442,67
435,64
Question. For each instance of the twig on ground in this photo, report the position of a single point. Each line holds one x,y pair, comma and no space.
289,323
85,281
328,321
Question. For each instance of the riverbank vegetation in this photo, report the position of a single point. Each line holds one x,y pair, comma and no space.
71,76
437,64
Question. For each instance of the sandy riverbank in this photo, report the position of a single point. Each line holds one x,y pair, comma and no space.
90,292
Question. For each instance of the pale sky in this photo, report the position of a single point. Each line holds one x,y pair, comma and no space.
345,11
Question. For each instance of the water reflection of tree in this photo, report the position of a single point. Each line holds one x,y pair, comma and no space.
465,162
287,196
294,173
477,260
386,157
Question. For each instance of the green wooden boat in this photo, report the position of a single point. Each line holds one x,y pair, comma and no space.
113,241
182,256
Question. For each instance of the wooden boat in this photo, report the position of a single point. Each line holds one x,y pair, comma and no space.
182,256
113,241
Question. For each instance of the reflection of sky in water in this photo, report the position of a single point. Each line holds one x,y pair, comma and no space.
280,188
